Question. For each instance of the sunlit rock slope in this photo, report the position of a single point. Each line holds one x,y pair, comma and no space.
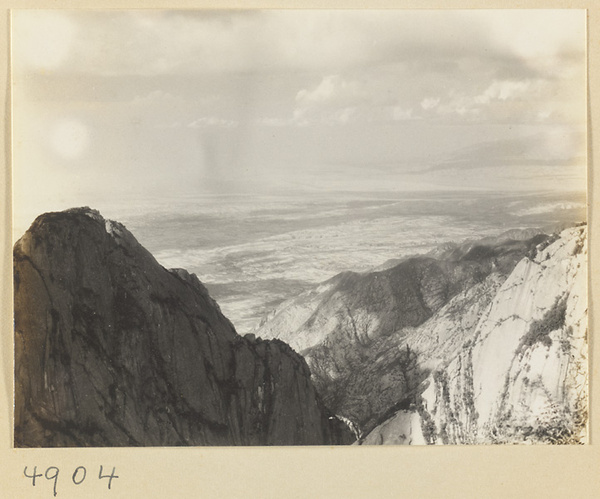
370,339
480,342
522,376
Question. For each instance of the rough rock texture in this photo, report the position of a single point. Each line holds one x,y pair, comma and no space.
403,428
522,377
388,374
371,339
358,307
111,349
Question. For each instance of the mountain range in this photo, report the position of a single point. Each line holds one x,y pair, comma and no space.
476,342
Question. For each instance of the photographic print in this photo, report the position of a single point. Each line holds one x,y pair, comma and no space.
299,227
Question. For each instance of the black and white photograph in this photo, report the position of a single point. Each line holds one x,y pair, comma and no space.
299,227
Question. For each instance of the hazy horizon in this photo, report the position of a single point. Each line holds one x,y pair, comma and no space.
116,105
253,252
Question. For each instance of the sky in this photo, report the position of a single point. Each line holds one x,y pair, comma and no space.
111,105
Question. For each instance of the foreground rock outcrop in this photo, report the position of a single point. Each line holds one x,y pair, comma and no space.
524,375
111,349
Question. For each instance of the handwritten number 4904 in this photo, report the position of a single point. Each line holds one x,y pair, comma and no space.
79,475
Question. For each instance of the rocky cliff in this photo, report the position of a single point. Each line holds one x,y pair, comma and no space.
372,339
520,375
365,306
111,349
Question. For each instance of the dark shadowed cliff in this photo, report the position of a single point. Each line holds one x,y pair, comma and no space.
111,349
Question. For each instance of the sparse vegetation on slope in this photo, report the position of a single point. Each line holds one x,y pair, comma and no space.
552,320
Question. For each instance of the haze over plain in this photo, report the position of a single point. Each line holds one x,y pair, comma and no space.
111,106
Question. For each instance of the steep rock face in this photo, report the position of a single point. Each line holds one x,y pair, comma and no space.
111,349
371,339
522,377
367,382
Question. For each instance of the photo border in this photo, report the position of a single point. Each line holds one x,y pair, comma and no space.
311,472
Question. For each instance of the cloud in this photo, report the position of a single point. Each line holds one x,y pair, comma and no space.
430,102
540,37
400,114
333,100
356,65
459,104
273,121
332,89
242,91
504,90
212,121
342,100
188,42
155,97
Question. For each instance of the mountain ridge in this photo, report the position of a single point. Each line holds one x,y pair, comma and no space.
522,377
111,349
369,366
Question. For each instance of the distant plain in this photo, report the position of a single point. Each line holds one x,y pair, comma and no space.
253,252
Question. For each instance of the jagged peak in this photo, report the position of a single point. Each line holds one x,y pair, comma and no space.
568,242
96,314
113,228
116,230
579,229
87,211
